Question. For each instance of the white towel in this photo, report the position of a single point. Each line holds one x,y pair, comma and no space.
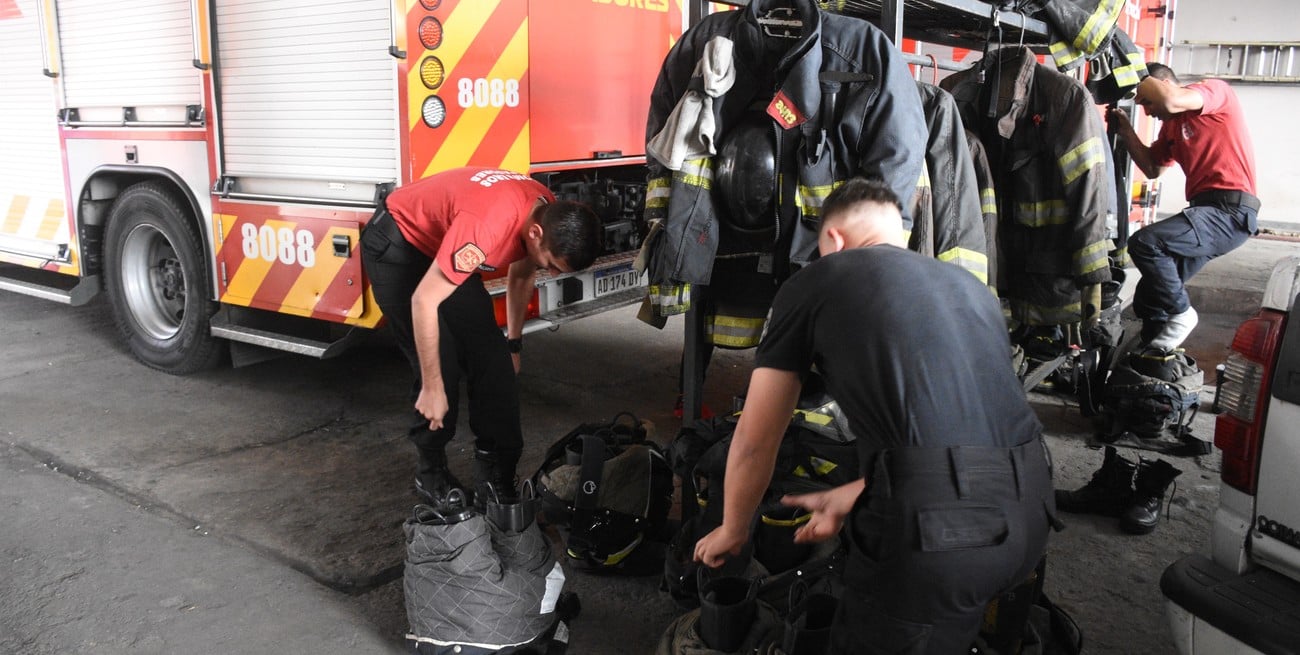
688,132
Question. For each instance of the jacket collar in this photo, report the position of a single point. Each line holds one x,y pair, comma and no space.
1022,62
798,93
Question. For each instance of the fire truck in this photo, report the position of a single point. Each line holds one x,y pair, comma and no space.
209,164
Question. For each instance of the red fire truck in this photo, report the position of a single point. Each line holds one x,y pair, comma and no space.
208,164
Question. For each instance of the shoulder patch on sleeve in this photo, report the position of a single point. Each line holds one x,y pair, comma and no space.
467,258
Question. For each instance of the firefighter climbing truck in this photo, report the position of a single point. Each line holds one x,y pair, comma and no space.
209,164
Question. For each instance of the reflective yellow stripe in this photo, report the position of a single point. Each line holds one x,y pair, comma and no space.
657,192
811,198
733,331
988,201
1128,75
696,172
1121,257
785,523
813,417
1091,258
670,299
1039,214
1082,158
924,182
1098,26
1064,54
974,261
907,236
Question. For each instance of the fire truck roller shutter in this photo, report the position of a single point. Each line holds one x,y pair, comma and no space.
157,280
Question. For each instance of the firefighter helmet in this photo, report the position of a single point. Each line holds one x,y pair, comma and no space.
745,174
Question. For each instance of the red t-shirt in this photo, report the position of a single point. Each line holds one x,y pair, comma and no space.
467,219
1212,146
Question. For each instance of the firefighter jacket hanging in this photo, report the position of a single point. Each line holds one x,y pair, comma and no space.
816,98
1047,146
946,220
1086,30
988,202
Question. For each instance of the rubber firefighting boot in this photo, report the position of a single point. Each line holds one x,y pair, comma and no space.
1109,492
495,476
1153,477
432,477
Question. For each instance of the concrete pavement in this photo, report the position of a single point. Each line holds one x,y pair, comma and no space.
296,478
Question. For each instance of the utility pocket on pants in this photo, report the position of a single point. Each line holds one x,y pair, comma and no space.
960,526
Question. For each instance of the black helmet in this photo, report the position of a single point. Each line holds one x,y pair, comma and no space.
745,174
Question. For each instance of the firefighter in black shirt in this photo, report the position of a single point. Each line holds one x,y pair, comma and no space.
956,498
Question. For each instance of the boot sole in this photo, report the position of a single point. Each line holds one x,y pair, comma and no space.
1136,528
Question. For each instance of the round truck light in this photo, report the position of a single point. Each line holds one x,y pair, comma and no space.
433,111
430,4
432,72
430,32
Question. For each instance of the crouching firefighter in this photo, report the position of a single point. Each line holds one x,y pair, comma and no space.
955,499
423,251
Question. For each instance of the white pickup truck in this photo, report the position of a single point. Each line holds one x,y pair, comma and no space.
1244,597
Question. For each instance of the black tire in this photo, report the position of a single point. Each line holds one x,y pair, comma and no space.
158,282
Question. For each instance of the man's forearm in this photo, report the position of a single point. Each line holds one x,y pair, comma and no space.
424,323
1140,152
519,290
752,456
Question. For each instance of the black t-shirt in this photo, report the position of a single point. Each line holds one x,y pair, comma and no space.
915,350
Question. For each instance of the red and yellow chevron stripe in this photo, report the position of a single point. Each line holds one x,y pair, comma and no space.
286,263
484,53
28,225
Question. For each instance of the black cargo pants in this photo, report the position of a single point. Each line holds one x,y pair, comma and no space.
938,534
1169,252
470,345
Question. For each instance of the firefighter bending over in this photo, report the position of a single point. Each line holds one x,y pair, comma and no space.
956,495
423,251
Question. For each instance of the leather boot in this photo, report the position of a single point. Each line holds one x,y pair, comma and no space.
495,473
432,477
1153,477
1109,492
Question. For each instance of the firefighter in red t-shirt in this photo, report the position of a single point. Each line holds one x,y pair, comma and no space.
1204,130
423,252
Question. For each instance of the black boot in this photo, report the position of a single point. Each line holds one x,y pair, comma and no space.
432,478
1109,492
495,474
1153,478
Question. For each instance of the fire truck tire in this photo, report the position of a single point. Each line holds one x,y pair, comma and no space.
157,281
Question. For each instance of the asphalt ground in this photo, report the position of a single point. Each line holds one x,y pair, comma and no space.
259,509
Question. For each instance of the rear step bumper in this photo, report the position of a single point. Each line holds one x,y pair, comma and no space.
48,285
1260,608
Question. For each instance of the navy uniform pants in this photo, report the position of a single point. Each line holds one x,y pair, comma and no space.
471,346
936,536
1169,252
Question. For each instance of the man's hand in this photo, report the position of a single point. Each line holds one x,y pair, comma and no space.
714,549
1119,119
432,404
829,509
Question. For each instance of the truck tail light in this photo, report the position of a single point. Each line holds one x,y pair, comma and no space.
1243,395
499,306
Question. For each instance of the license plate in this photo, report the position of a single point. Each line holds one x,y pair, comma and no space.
615,279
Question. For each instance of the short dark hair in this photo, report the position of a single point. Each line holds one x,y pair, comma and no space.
572,232
859,190
1162,72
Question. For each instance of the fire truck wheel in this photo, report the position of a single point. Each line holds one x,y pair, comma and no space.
157,281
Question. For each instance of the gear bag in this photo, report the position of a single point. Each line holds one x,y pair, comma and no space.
473,586
1151,397
611,489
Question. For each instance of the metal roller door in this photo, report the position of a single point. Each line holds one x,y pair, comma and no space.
134,53
32,214
308,97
